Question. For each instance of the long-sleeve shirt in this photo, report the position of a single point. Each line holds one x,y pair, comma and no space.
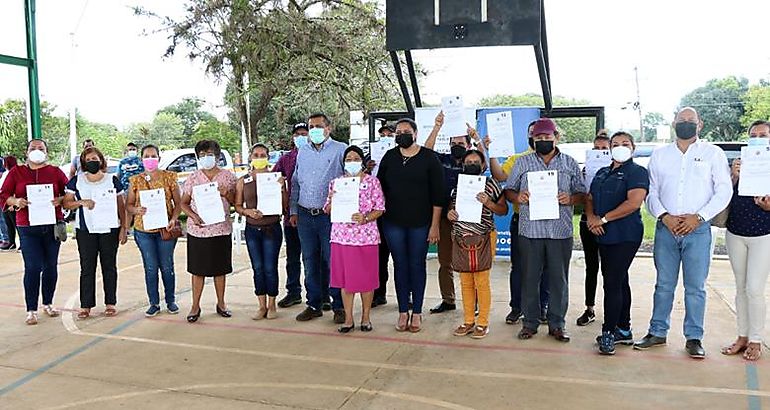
694,182
19,177
285,166
315,168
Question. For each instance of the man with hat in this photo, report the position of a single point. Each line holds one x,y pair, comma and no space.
545,245
285,166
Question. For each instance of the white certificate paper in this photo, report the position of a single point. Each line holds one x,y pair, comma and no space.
345,199
104,216
378,150
755,171
543,189
154,201
454,116
500,130
208,203
596,160
269,198
40,204
467,206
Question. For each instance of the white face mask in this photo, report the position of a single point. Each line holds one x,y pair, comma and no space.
36,156
621,153
207,162
353,168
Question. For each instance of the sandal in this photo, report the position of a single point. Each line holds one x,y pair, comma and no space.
412,327
84,314
464,329
50,311
402,327
753,352
734,349
110,311
31,318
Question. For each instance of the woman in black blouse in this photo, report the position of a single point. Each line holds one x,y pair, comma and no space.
413,183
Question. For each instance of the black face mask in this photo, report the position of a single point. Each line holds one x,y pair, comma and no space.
531,143
472,169
458,151
543,147
686,130
92,167
404,140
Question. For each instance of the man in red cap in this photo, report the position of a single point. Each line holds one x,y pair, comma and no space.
545,245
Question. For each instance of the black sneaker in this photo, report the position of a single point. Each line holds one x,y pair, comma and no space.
587,317
649,341
621,336
443,307
513,317
289,300
607,343
695,349
326,306
309,314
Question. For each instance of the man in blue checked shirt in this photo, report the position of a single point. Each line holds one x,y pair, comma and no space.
130,165
318,163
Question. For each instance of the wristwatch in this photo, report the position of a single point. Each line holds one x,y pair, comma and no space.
663,215
700,218
604,220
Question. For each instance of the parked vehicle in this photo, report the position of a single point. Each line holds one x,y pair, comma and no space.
184,162
731,148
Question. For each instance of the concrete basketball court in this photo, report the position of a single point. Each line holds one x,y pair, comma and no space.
164,362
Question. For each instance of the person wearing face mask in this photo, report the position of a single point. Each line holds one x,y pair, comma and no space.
157,253
354,246
41,248
545,246
209,247
500,173
285,165
97,240
613,216
130,165
263,232
689,185
318,163
452,164
475,283
75,165
590,247
413,183
748,242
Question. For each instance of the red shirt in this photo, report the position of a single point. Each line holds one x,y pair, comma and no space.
16,185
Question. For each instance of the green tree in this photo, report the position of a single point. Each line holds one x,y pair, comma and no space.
190,111
650,122
757,104
720,106
13,130
332,60
166,131
221,132
573,129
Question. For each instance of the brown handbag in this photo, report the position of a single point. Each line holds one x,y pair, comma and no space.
471,253
173,233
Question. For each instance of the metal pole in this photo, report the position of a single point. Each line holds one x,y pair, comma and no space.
34,93
639,105
246,132
73,106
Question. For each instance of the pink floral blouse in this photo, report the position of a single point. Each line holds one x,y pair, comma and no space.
224,178
370,198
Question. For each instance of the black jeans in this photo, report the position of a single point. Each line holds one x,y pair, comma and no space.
616,259
293,261
10,222
104,247
591,252
382,290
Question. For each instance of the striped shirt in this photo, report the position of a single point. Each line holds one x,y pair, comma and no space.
570,181
314,170
487,225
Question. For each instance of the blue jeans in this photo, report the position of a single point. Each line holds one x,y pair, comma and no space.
40,251
514,279
264,245
157,254
692,253
293,263
3,229
409,248
315,239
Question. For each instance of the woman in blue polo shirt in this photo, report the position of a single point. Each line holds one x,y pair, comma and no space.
617,194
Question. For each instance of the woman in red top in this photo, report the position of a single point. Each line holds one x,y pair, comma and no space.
41,248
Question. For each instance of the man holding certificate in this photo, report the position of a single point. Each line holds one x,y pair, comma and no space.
35,190
546,184
97,198
206,198
261,197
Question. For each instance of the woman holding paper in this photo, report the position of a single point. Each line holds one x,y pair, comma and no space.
206,198
612,209
261,205
475,282
748,243
35,190
99,228
151,218
355,244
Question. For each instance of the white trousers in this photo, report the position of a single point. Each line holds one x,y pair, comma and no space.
750,260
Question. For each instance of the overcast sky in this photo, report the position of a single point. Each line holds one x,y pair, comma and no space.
119,76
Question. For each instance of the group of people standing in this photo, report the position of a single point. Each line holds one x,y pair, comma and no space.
407,201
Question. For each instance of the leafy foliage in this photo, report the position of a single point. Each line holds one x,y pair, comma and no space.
720,106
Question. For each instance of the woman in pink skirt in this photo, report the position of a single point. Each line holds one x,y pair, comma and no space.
355,245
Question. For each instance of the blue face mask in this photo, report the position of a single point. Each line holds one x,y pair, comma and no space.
353,168
300,140
317,136
761,141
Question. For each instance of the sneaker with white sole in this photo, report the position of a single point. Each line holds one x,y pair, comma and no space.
172,308
152,311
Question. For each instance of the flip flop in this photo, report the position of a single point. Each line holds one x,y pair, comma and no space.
731,350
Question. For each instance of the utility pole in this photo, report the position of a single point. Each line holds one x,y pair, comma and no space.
638,105
73,140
